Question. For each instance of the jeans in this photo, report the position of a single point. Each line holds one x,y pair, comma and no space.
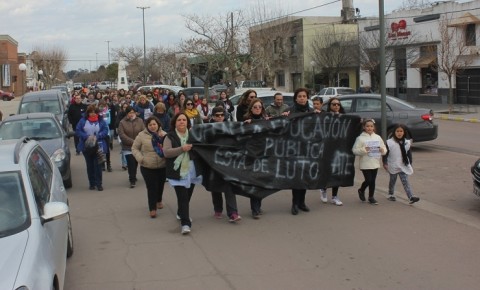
256,204
183,200
132,166
405,183
230,202
155,181
370,176
94,171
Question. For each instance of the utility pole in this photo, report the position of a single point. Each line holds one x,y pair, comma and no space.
144,46
108,50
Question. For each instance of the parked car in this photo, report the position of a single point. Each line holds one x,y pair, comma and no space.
45,101
65,93
476,177
44,128
327,93
150,88
212,94
35,228
419,121
6,96
105,85
77,86
258,86
220,88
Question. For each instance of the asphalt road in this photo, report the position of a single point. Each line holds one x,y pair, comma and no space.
430,245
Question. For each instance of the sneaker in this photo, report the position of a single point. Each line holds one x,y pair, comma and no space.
185,230
132,184
336,201
323,195
413,199
234,217
391,197
255,214
361,195
124,167
218,215
372,200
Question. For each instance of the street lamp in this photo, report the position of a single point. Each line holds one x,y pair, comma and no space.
40,74
313,63
144,46
23,67
108,50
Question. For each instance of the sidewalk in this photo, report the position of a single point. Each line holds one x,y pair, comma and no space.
461,112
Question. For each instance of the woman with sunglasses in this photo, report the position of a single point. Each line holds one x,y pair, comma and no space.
256,111
300,105
334,106
191,111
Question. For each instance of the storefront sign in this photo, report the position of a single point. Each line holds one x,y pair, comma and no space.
5,75
399,30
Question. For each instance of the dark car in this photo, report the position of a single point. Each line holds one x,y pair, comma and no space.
212,94
6,96
419,121
220,88
50,101
45,128
476,177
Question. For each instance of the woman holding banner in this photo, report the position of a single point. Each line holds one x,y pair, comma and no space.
256,111
181,171
300,105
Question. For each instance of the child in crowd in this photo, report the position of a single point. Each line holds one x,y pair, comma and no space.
398,162
317,104
369,146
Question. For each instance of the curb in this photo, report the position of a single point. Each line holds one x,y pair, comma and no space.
458,119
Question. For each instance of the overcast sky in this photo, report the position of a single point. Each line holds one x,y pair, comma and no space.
82,27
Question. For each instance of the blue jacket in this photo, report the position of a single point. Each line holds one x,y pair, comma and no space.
102,135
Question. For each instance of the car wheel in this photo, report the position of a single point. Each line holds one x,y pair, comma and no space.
5,99
68,182
70,238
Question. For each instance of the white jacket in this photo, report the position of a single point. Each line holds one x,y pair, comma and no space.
395,160
359,148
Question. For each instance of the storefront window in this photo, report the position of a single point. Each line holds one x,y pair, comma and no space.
429,81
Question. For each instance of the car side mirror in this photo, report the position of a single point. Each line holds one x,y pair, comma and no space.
54,210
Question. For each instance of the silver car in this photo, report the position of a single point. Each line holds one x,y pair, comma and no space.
35,228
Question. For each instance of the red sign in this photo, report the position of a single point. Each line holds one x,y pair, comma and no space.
399,30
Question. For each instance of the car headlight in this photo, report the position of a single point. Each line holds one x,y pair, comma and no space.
58,156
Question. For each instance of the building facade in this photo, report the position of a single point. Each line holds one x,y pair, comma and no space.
428,50
12,79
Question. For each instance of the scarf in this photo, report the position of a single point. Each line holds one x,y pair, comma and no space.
204,109
404,152
191,113
157,143
183,160
301,108
93,119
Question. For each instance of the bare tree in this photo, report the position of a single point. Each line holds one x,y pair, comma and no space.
334,47
453,54
218,44
51,61
269,34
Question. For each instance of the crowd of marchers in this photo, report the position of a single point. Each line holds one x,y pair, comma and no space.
152,129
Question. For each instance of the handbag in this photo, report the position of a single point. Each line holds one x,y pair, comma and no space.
91,145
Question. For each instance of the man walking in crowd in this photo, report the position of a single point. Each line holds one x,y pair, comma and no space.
277,107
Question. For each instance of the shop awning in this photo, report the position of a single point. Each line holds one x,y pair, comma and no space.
466,19
423,62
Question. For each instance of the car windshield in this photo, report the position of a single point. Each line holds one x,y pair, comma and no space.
13,211
38,129
49,106
408,105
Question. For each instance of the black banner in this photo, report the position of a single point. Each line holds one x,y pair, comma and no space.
302,151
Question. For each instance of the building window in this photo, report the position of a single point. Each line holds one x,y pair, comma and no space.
275,46
281,79
293,45
470,35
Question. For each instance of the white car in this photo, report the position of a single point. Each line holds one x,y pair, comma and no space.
35,228
327,93
265,96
